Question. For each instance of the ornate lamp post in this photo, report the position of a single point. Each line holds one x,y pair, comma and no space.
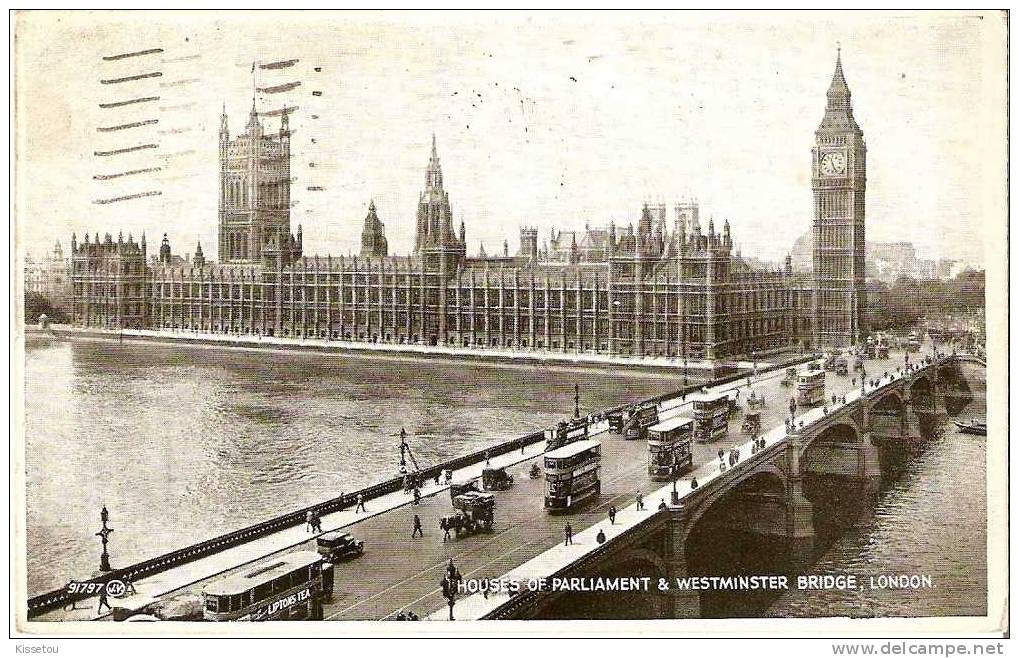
104,536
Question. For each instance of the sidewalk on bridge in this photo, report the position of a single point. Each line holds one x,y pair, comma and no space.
176,578
556,559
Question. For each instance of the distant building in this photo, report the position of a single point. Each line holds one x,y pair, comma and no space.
48,276
886,261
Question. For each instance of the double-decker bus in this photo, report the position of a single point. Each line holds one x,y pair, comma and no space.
641,418
571,475
291,587
668,446
711,418
810,388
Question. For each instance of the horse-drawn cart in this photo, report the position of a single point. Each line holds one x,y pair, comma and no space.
475,512
752,423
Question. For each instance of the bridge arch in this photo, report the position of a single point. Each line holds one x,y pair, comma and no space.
889,400
767,477
834,449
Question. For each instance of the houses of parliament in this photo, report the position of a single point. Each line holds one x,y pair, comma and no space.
672,286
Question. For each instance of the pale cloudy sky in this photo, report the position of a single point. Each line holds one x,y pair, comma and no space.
548,120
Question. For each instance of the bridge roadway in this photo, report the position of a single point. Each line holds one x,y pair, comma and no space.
560,556
397,573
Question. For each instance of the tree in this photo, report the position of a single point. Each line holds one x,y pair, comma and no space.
36,304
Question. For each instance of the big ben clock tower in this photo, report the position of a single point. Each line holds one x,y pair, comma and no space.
839,181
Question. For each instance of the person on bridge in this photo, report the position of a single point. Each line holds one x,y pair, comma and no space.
449,585
446,526
640,501
360,504
600,538
452,572
693,483
569,534
662,506
316,522
104,599
612,514
721,453
792,406
309,524
417,527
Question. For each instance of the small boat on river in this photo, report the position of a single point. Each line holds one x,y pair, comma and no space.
973,427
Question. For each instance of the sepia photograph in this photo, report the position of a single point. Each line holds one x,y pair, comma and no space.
608,322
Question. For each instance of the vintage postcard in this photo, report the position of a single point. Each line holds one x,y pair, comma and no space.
449,323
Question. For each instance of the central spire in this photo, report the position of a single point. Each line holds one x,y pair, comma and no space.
433,178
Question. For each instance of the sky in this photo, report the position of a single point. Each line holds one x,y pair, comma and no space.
544,120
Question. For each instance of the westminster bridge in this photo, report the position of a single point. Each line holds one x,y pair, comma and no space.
770,492
765,493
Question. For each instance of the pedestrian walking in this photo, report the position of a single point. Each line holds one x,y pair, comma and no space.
612,514
600,538
360,505
640,501
309,523
721,453
569,534
103,600
662,505
417,527
488,461
693,483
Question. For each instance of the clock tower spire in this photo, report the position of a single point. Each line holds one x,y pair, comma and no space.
839,182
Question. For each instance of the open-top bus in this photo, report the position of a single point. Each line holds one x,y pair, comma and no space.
291,587
711,418
810,388
668,445
571,475
565,432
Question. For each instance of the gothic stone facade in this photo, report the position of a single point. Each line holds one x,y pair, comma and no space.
676,291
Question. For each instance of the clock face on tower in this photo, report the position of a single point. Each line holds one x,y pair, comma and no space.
833,164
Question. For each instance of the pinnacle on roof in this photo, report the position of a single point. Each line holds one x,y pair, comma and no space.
838,85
